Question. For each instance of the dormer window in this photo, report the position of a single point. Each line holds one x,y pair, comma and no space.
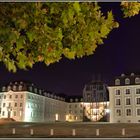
127,81
9,88
20,87
40,91
35,90
14,88
3,88
30,88
117,82
137,80
71,100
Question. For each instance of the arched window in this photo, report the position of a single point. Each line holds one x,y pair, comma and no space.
127,81
117,82
137,80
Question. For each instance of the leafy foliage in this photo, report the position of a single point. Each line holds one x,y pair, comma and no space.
130,8
47,32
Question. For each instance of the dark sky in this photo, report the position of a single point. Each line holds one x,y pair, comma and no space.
120,53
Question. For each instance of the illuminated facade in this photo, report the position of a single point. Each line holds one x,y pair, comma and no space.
96,101
24,102
125,99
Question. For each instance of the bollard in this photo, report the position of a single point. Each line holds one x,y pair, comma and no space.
13,131
97,132
73,132
52,132
31,131
123,131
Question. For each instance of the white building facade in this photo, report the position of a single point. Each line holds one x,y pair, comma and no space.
24,102
124,98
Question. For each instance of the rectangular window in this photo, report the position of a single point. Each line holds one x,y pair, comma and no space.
10,96
75,106
16,96
81,111
3,113
9,104
118,101
69,106
138,111
128,112
20,104
128,101
137,101
138,91
4,96
14,113
70,111
15,104
118,92
3,104
127,91
118,112
21,96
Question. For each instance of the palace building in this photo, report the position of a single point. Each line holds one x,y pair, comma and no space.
24,102
125,99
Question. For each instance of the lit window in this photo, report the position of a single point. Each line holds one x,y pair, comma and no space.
128,101
118,112
117,82
128,112
137,80
127,81
137,101
118,101
127,91
118,92
138,111
138,91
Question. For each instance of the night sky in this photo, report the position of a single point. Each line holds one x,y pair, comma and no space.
120,53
